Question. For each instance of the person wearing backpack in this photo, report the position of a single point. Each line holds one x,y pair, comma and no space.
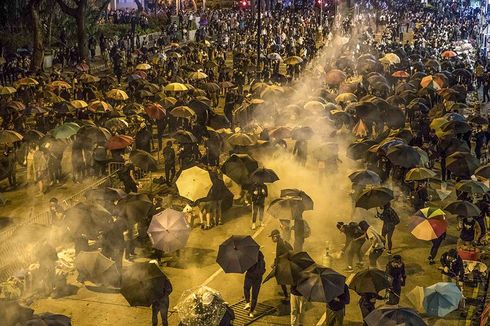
390,221
253,280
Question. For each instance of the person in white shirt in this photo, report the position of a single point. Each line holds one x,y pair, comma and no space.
376,242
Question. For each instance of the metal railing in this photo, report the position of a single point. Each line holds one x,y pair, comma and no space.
14,255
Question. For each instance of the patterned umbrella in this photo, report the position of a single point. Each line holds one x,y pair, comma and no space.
201,306
428,223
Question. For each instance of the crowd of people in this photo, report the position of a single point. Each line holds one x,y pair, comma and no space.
407,111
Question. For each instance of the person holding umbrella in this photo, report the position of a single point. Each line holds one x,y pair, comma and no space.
336,308
469,230
376,241
282,247
367,303
258,193
396,269
160,304
390,221
436,243
484,206
169,156
253,280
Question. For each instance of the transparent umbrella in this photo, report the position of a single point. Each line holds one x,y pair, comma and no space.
201,306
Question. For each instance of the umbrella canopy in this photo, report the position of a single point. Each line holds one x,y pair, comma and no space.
65,131
239,167
176,87
183,112
241,139
371,280
142,283
321,284
302,133
292,61
483,171
155,111
184,137
119,142
448,54
463,208
27,81
289,266
287,208
201,306
432,82
394,315
87,218
116,123
143,66
471,187
335,77
263,175
6,90
97,268
372,197
280,133
428,223
197,75
237,254
169,230
359,150
79,104
117,94
99,106
418,174
134,206
404,155
87,78
305,198
441,298
106,193
194,183
9,137
143,160
400,74
365,177
462,164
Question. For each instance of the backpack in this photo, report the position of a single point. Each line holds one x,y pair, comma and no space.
307,230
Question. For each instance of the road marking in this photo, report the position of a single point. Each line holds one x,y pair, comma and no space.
472,308
213,276
322,319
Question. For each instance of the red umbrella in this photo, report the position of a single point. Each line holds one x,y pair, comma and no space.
155,111
119,142
400,74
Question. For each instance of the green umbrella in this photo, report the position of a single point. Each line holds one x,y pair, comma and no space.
65,131
373,197
143,160
462,164
371,280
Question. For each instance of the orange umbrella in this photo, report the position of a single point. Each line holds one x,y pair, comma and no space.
99,106
433,82
448,54
400,74
360,129
119,142
155,111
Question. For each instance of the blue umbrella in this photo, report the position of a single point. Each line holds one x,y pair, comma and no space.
441,298
453,116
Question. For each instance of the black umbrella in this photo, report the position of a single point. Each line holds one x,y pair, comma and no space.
143,160
287,208
320,284
143,283
394,315
463,208
471,187
394,118
263,175
289,266
237,254
371,280
88,219
95,267
184,137
134,207
404,155
458,127
462,164
49,319
358,151
372,197
483,171
365,177
302,133
13,313
238,167
306,199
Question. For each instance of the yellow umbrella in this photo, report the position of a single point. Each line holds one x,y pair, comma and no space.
416,298
27,82
346,98
392,58
197,75
314,106
257,101
292,61
194,183
60,84
360,129
259,85
176,87
6,90
99,106
87,78
143,66
117,94
272,90
182,112
79,104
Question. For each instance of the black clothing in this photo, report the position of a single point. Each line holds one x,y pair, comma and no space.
455,267
341,301
398,280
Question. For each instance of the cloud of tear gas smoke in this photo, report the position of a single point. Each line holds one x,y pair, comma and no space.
330,190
